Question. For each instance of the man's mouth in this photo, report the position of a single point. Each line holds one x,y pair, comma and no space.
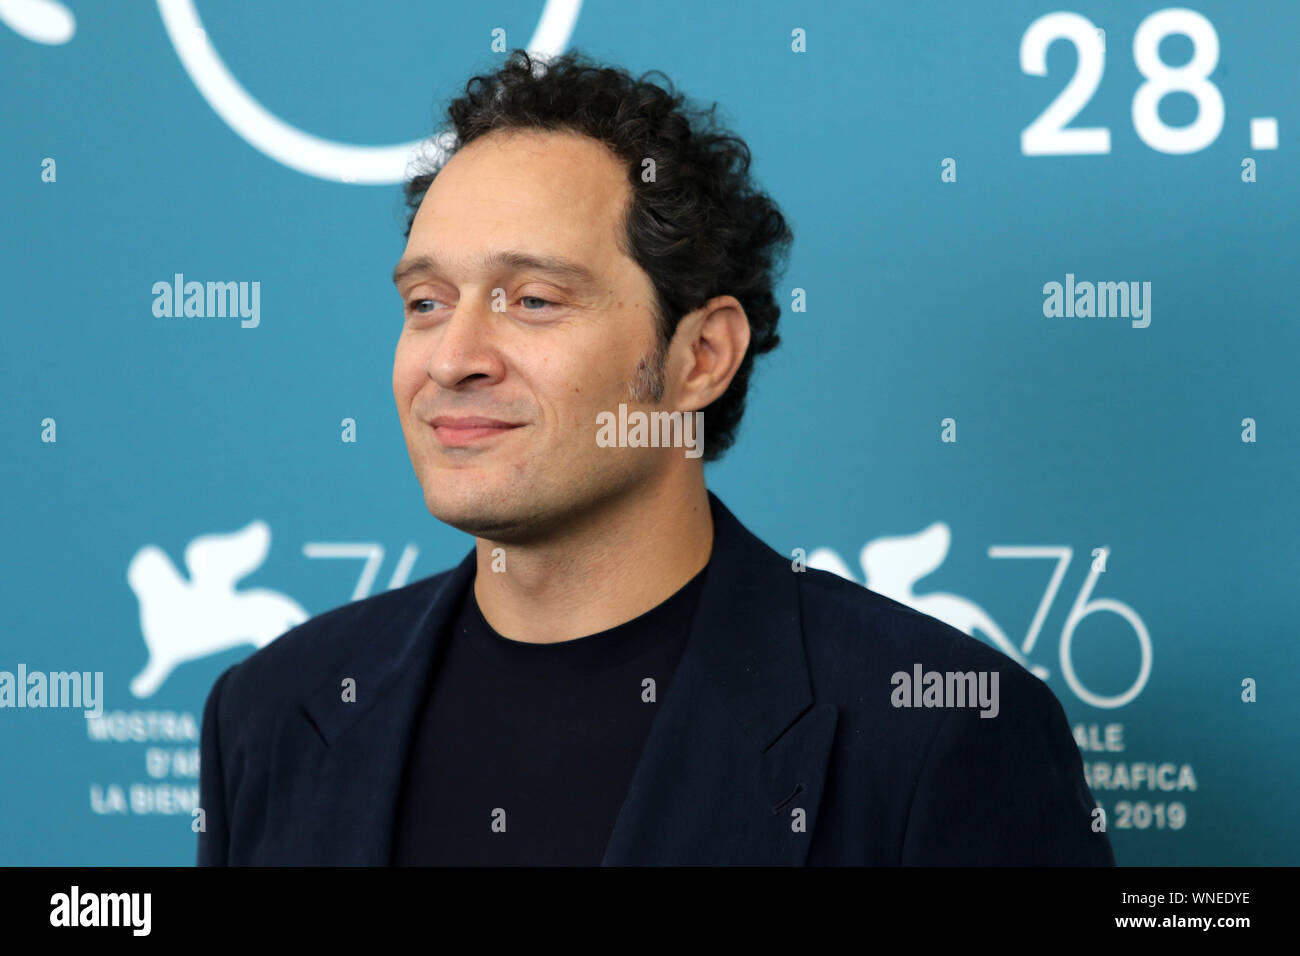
457,432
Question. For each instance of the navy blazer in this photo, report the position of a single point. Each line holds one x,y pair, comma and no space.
779,741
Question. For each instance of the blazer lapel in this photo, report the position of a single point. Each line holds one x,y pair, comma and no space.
735,763
336,766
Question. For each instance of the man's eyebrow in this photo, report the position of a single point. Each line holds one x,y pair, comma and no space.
514,260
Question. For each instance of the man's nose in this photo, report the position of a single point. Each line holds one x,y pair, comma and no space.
466,344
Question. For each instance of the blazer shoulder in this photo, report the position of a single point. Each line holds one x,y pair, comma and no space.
850,629
302,658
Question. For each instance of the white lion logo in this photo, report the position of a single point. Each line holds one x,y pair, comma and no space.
893,566
185,620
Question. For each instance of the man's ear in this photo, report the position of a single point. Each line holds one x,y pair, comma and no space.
708,347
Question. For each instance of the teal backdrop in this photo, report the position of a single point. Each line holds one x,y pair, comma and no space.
1111,498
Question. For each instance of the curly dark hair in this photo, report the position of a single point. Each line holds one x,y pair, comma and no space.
700,229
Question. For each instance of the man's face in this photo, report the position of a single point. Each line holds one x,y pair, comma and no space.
561,346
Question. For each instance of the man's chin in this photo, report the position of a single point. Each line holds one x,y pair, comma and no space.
517,506
479,510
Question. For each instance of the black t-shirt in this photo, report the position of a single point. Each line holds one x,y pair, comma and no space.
522,753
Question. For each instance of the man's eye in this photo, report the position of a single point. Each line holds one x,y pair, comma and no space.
534,298
416,305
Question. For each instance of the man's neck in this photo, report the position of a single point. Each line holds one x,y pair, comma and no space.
640,551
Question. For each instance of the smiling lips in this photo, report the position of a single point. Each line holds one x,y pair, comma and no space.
456,432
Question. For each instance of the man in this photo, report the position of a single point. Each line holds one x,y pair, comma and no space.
619,672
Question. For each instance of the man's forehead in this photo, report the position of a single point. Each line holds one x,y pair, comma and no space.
498,212
520,174
568,270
